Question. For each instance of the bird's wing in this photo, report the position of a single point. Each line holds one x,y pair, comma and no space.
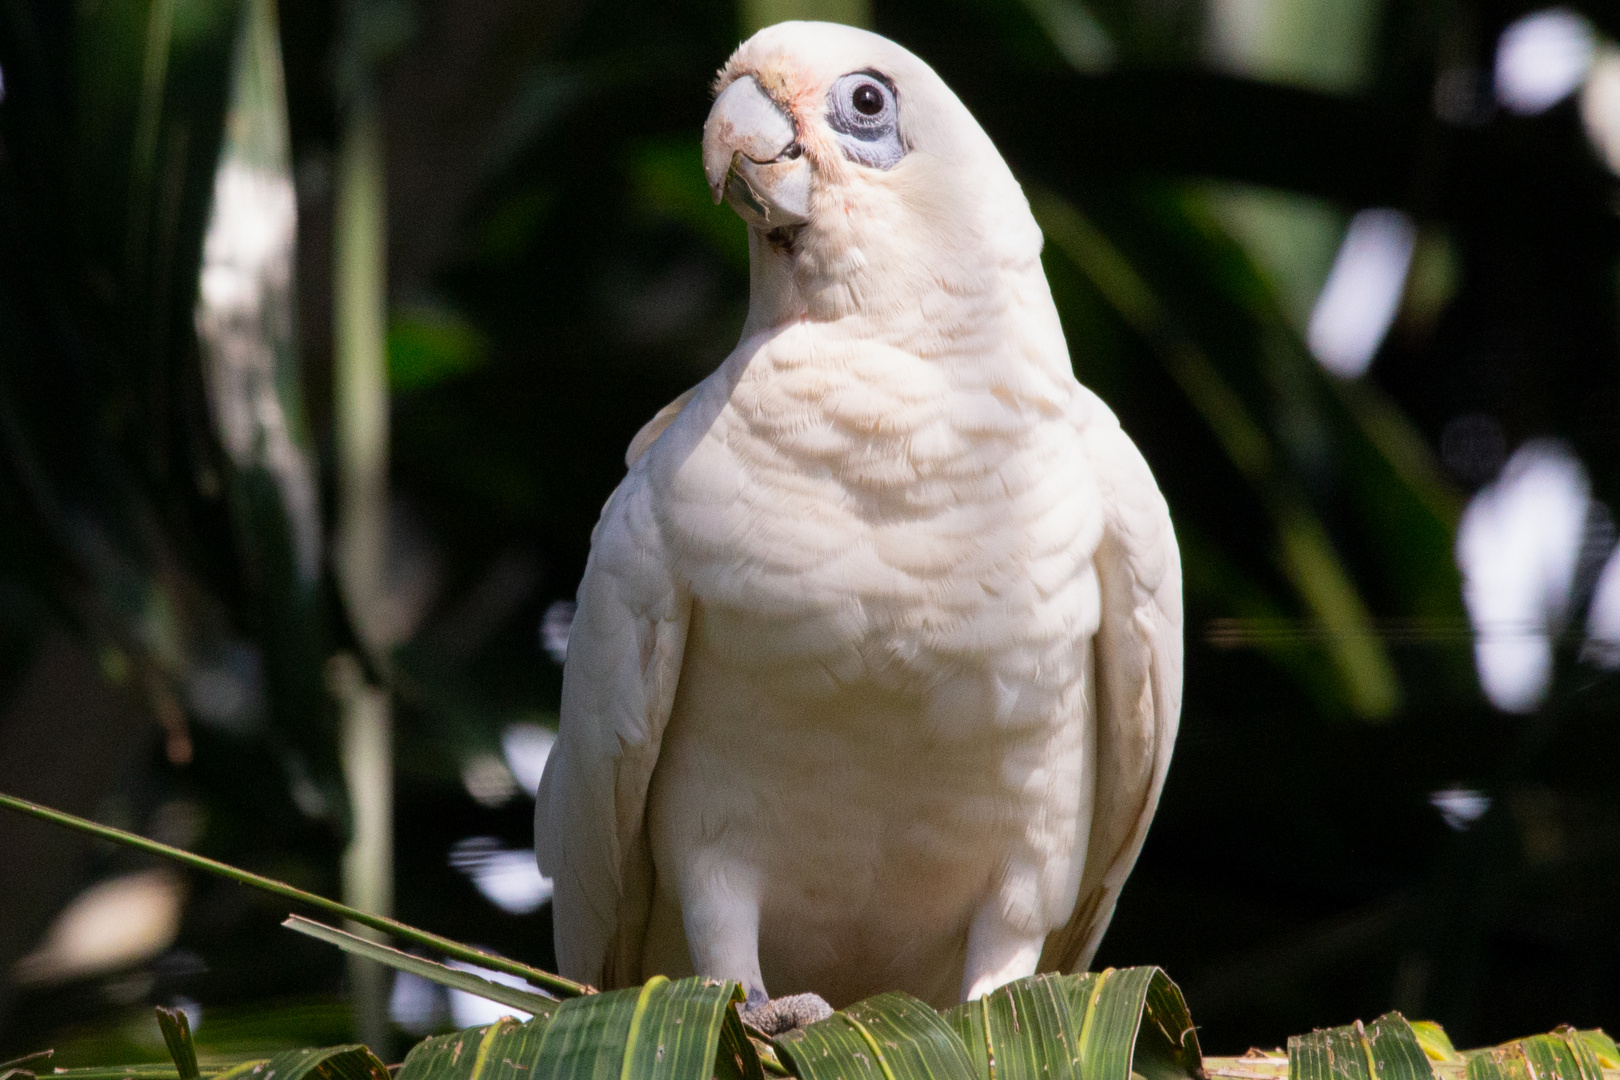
624,660
655,427
1137,659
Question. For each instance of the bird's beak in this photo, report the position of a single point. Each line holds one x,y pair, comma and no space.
752,157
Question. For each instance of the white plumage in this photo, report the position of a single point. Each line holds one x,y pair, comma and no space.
877,663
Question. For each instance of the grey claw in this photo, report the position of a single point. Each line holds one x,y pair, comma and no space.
778,1016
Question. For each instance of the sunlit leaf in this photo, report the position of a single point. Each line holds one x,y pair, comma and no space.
1386,1049
1435,1042
475,1053
514,996
1602,1047
245,321
1135,1021
663,1029
1564,1054
1029,1028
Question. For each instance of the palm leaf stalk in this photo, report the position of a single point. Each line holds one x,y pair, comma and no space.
360,433
554,984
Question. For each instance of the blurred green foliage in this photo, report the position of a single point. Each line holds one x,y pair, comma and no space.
559,272
426,346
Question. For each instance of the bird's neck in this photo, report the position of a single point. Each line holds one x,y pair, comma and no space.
985,320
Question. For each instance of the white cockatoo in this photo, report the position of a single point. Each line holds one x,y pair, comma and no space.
877,663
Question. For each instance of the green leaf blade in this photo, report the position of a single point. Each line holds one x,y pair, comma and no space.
1499,1063
1026,1030
892,1036
506,1048
1434,1041
516,997
466,1054
1167,1041
831,1049
678,1032
1553,1055
280,888
1396,1052
1602,1047
1388,1049
246,318
914,1039
1335,1054
585,1039
177,1037
664,1029
971,1023
321,1063
740,1057
1111,1022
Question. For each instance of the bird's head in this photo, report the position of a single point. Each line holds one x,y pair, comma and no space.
863,179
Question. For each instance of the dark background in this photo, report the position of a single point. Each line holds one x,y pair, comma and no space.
557,274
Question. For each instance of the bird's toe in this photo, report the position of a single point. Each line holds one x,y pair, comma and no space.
778,1016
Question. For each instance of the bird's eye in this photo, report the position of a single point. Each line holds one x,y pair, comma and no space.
863,110
867,99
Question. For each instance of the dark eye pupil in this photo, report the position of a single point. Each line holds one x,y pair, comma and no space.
868,100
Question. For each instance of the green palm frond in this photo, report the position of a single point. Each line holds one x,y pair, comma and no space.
1129,1024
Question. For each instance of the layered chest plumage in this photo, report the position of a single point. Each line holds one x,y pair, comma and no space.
870,515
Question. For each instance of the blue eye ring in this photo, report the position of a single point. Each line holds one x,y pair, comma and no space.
863,109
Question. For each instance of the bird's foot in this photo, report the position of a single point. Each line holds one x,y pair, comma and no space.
778,1016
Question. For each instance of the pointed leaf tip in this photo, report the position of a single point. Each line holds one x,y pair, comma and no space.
176,1028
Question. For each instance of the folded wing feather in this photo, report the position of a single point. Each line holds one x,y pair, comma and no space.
624,661
1137,658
